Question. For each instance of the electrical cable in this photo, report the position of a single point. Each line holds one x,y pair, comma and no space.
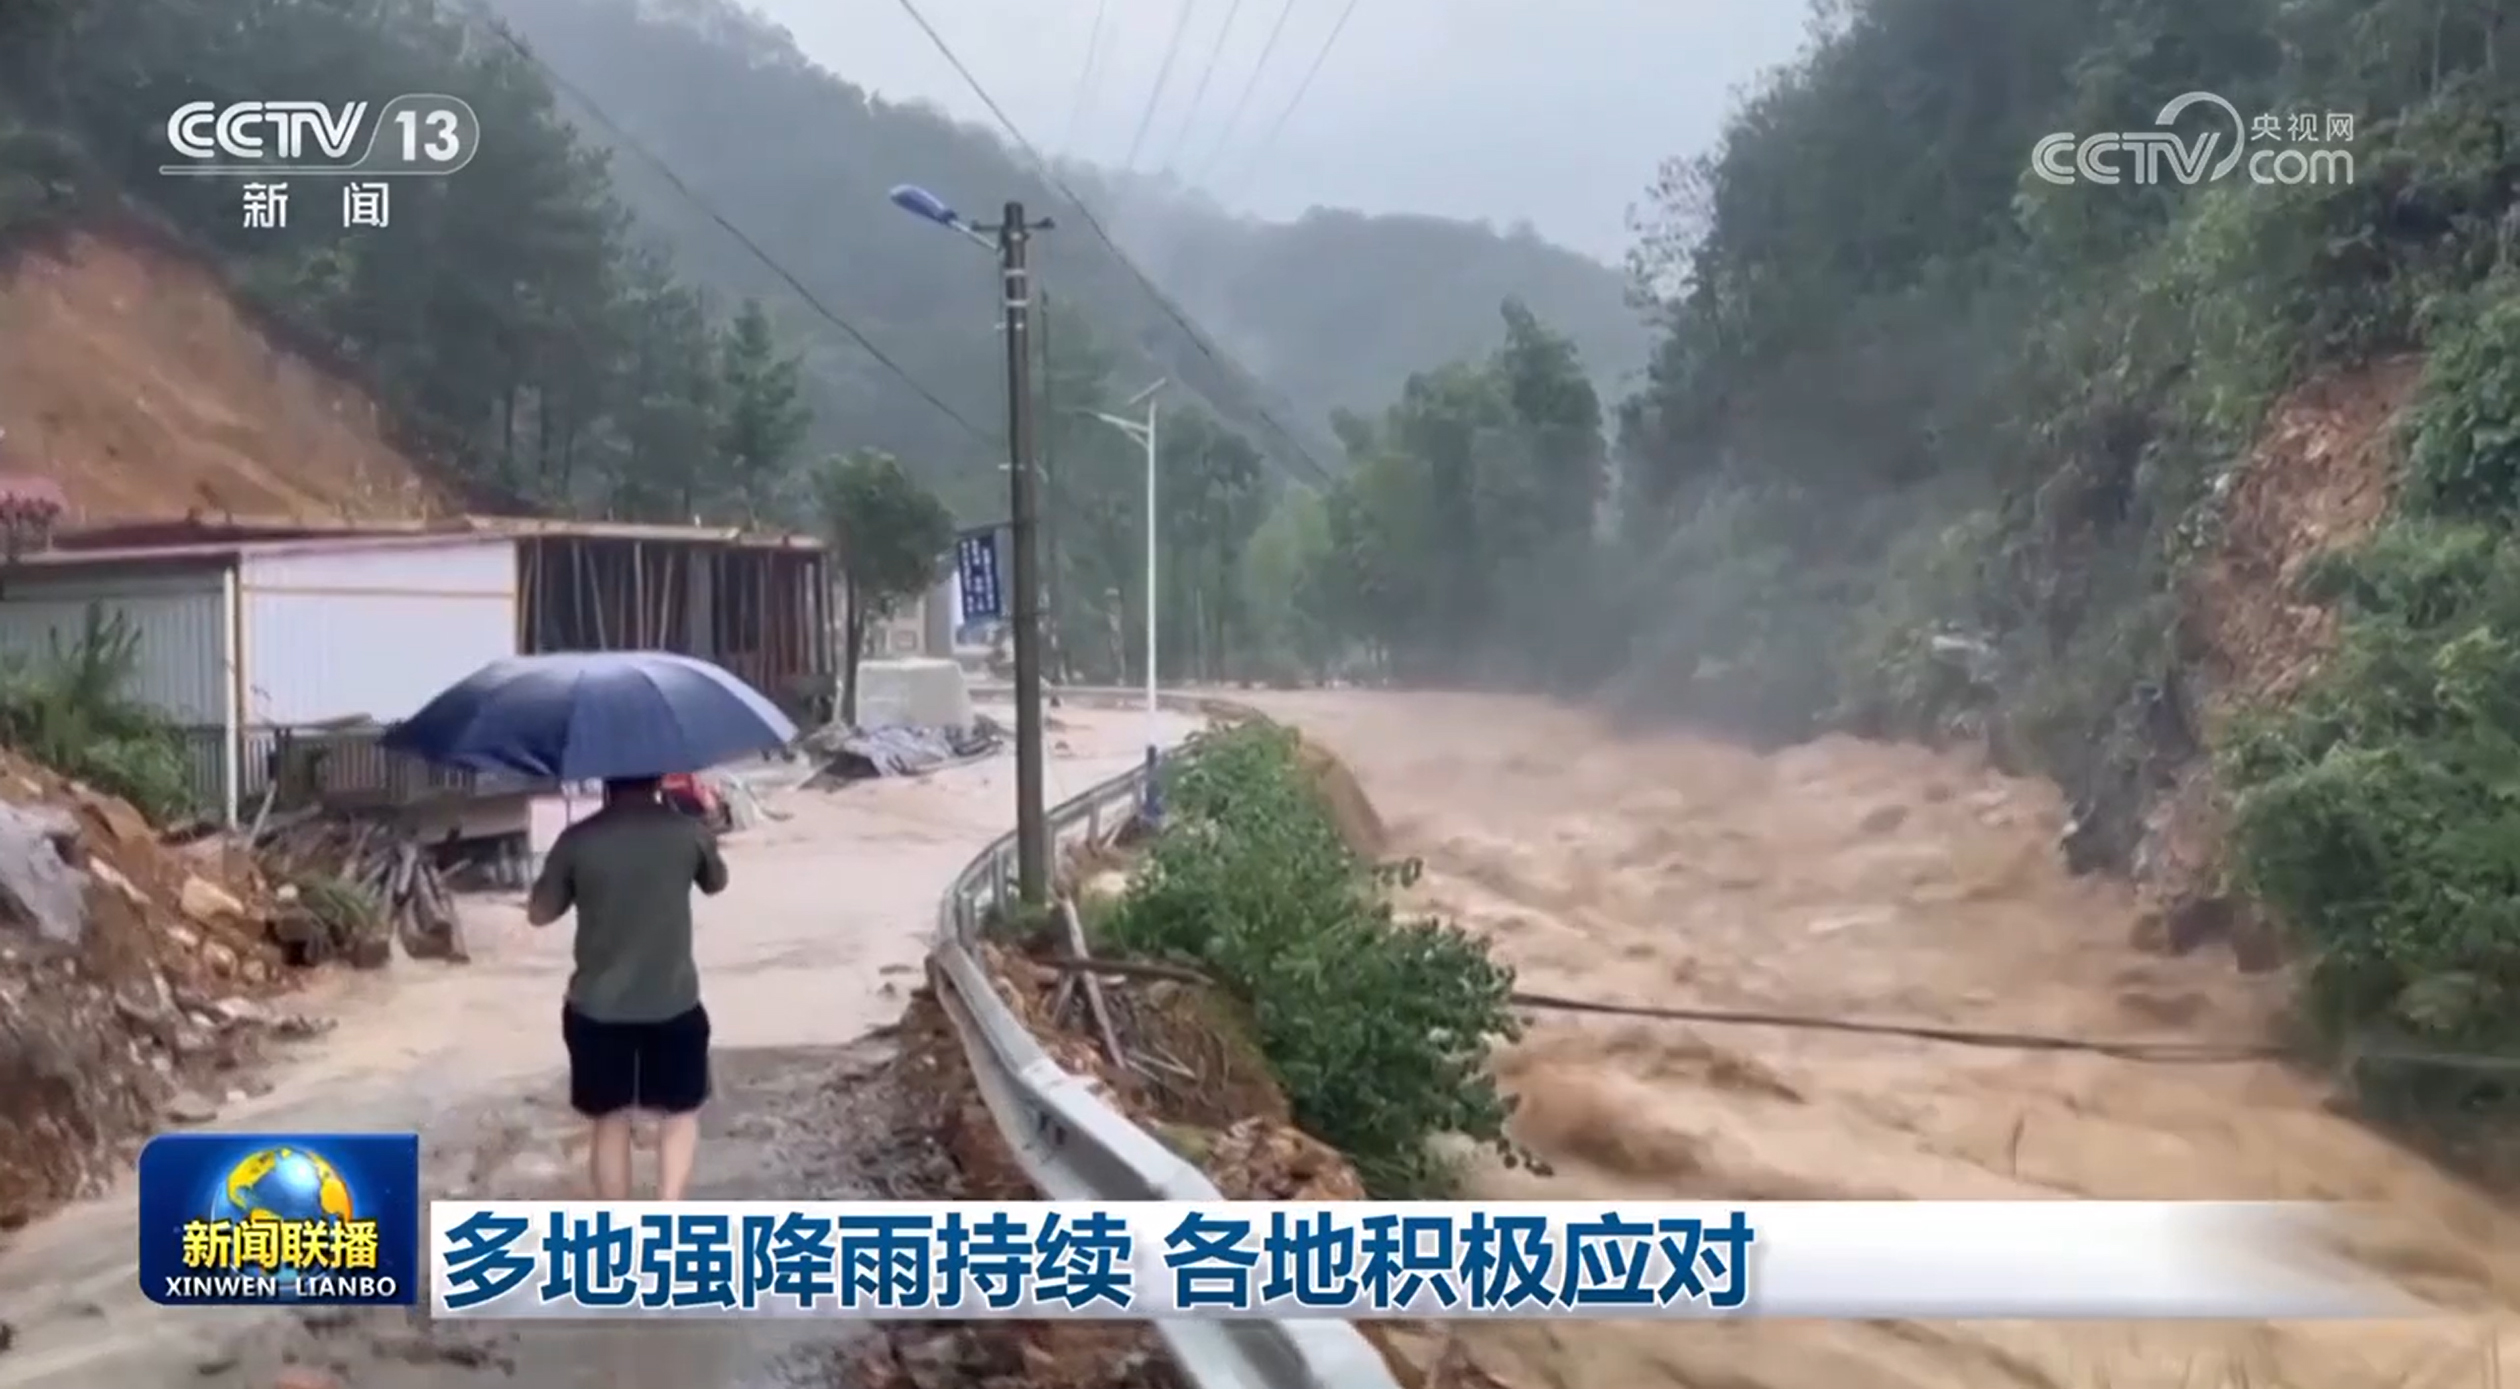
1163,77
1085,79
811,301
1198,94
1251,83
1261,150
1320,475
2161,1051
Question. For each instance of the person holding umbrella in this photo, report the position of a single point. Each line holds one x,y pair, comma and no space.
632,1020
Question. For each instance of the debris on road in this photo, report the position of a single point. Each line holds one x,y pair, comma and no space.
130,979
847,754
361,885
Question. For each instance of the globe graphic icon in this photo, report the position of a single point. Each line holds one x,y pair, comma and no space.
282,1184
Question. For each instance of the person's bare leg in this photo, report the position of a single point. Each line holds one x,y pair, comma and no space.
677,1147
608,1157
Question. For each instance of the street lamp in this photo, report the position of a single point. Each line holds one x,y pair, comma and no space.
1144,433
928,207
1009,239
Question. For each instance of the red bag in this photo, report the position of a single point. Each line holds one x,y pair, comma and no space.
693,797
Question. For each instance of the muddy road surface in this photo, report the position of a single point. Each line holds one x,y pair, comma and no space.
1843,877
810,952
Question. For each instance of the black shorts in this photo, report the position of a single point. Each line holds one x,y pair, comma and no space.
661,1067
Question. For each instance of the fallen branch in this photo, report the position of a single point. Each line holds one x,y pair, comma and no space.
1098,1005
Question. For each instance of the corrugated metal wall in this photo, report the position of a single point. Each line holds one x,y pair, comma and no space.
336,634
183,637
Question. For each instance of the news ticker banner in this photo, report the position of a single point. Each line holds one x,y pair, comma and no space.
325,1219
2043,1260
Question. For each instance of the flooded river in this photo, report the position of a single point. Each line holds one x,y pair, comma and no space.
1844,877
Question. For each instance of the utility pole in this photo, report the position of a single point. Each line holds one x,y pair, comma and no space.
1144,434
1032,820
1054,642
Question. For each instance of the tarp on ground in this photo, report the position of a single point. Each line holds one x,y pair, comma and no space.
902,750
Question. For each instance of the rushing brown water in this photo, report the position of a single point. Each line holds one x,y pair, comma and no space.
1853,878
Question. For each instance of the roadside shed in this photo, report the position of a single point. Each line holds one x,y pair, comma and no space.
240,643
255,635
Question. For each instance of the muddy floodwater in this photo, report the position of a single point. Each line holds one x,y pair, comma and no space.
1844,877
814,946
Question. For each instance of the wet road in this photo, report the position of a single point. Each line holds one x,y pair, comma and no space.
814,946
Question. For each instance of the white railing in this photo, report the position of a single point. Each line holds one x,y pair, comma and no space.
1074,1146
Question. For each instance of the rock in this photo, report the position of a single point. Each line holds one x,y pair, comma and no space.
288,893
38,889
192,1107
220,959
239,1012
371,952
124,824
112,877
185,937
208,903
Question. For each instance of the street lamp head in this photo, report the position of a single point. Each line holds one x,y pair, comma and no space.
1145,395
919,202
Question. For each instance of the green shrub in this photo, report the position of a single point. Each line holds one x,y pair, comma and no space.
72,713
2464,432
1379,1027
2379,815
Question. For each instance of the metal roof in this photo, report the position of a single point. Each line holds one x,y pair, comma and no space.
201,538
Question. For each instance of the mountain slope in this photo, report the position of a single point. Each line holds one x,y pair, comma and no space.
130,377
1337,308
1331,311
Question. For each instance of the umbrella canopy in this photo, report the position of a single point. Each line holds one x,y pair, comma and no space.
590,715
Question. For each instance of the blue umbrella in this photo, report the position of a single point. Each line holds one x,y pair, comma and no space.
589,715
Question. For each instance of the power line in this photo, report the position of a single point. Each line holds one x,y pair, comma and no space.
1261,150
1163,75
1312,465
1085,80
624,139
1198,93
1242,102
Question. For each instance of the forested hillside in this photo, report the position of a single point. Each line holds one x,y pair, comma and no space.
1337,308
1330,312
578,321
1932,447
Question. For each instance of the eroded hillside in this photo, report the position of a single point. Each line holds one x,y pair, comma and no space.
130,377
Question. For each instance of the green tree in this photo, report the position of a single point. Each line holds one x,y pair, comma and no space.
762,419
890,535
1461,544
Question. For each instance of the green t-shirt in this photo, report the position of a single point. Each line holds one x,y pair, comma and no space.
629,870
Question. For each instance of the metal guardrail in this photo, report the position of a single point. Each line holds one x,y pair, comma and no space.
1074,1146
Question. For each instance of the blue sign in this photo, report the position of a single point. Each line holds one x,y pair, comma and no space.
976,565
280,1219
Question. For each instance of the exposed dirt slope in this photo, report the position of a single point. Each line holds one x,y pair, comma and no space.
131,378
2320,480
153,1001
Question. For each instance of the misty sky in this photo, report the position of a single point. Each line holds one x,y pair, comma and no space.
1548,111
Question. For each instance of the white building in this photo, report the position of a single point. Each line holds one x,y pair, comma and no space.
245,641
